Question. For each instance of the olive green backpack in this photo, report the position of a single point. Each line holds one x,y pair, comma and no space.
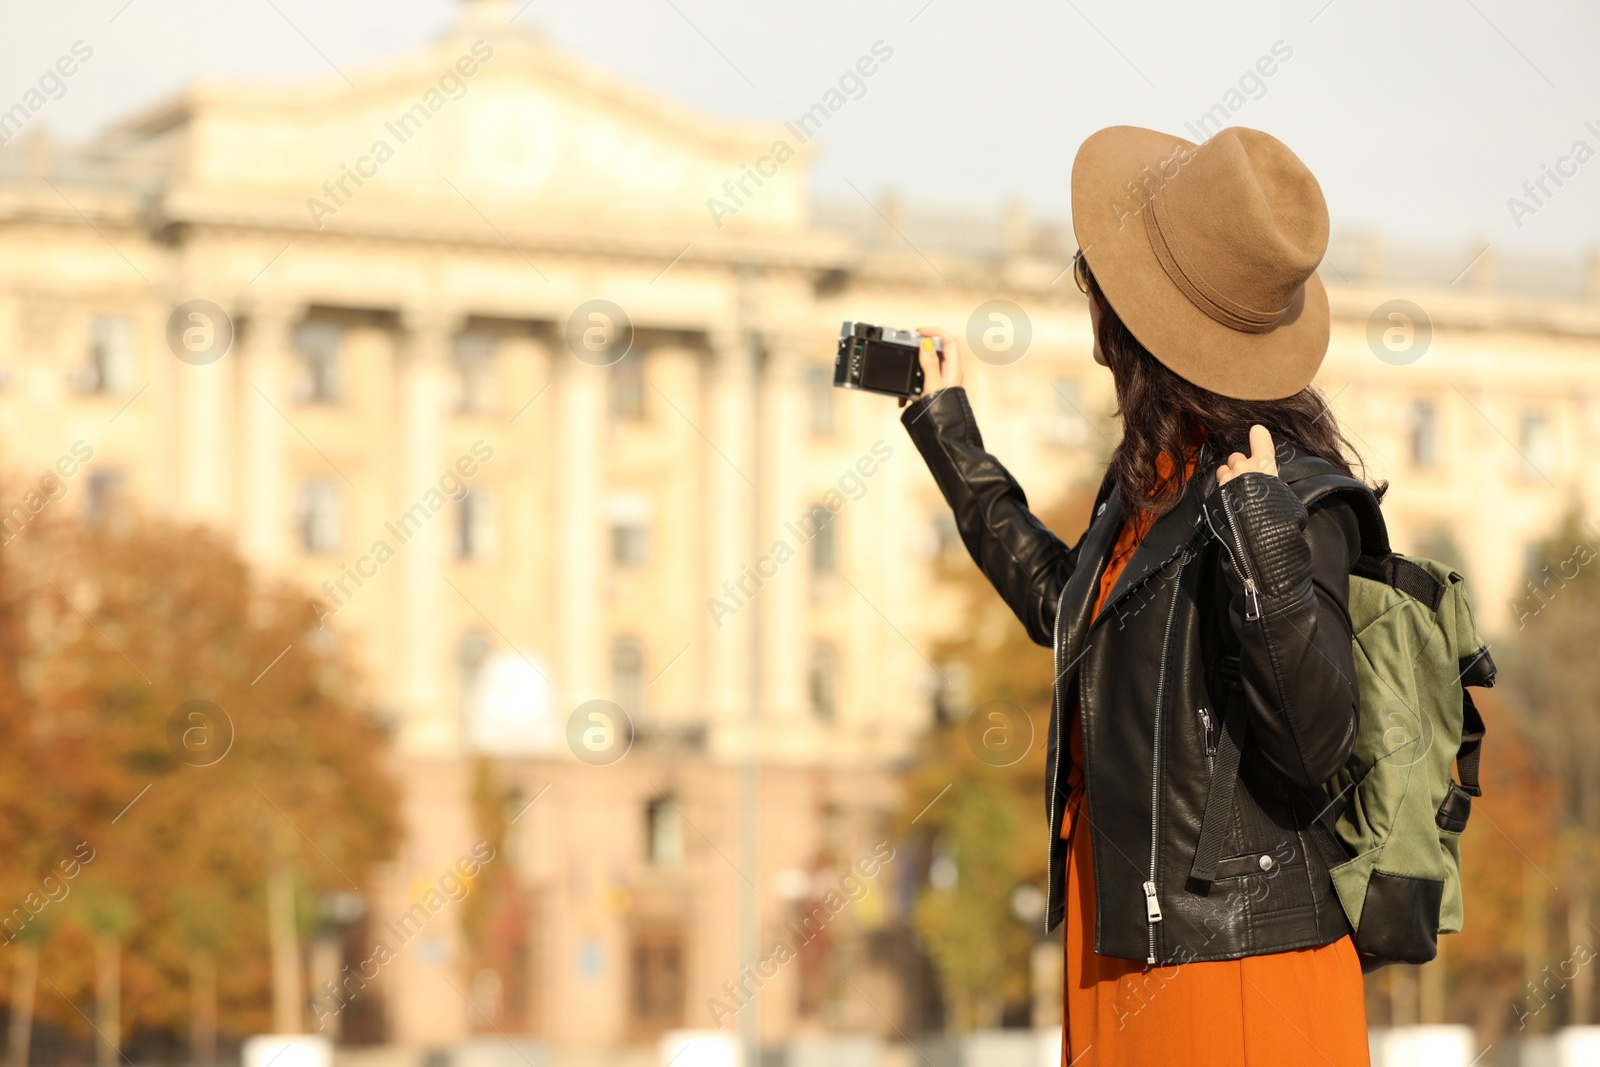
1394,806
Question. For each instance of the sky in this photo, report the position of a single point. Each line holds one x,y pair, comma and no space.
1421,119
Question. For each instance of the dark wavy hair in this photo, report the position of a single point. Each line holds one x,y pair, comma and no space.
1164,414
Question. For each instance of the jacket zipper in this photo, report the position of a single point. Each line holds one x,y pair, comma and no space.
1152,906
1252,602
1061,743
1206,742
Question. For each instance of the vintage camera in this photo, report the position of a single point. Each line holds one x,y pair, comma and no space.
879,359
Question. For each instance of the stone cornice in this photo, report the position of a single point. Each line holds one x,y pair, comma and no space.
181,215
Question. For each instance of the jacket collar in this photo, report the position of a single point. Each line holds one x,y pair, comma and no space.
1170,534
1078,596
1167,537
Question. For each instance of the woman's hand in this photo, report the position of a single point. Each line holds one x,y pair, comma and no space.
1263,457
939,373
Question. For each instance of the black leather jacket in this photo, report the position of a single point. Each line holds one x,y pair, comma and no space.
1230,615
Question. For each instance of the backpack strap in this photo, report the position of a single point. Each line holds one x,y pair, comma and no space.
1477,669
1471,746
1218,815
1314,480
1404,575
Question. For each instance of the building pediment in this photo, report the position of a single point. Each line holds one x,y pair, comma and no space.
484,125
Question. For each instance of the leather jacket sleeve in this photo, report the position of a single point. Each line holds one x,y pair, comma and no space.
1289,574
1027,564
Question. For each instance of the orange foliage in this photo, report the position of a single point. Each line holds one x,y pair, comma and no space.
106,635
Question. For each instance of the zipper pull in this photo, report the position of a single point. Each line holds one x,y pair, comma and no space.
1205,724
1152,907
1252,603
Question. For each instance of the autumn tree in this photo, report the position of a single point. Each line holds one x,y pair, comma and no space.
1552,685
975,797
198,736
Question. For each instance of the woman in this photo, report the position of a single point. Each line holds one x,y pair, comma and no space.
1204,681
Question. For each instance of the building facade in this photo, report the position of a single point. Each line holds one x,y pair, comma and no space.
523,376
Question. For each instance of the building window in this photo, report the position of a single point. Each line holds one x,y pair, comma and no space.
823,683
630,543
627,676
627,388
472,653
318,344
476,531
630,529
112,364
1424,434
664,833
321,518
1537,445
821,402
825,544
658,983
1066,423
107,498
474,357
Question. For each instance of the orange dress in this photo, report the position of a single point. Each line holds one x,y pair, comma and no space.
1304,1006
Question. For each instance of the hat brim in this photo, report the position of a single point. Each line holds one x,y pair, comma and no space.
1108,220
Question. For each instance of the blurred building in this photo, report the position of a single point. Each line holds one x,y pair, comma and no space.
523,375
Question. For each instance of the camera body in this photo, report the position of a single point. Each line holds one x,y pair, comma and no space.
880,359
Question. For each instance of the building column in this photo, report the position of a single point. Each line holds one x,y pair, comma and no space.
731,479
785,598
736,710
206,412
264,384
584,543
431,726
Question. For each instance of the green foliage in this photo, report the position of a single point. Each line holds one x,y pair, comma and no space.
978,948
1550,666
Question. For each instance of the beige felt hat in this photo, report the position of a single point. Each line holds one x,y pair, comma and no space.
1208,253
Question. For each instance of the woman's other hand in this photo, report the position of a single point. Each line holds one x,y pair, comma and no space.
1262,457
939,373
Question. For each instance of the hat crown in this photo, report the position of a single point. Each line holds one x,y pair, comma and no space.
1240,228
1208,254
